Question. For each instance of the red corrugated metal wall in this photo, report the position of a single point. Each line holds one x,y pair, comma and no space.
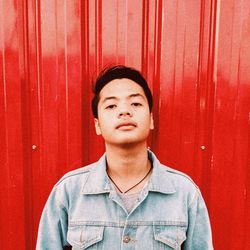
196,57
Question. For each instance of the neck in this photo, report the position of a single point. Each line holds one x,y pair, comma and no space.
128,167
126,162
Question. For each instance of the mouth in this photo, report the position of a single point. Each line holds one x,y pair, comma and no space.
126,126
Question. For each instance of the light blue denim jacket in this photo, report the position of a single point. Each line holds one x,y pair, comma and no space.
84,211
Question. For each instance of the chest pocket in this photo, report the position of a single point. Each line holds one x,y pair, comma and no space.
169,237
82,237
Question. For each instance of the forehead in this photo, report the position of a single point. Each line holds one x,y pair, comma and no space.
121,88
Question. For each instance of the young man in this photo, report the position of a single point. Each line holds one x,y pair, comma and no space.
128,199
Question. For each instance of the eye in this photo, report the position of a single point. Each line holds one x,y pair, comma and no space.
136,104
111,106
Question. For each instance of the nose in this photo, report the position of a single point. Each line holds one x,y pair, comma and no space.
125,111
122,114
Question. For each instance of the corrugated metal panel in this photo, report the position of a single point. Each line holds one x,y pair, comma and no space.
195,55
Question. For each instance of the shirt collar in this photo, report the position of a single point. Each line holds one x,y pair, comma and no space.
97,181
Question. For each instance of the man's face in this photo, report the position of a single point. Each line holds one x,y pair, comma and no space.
123,113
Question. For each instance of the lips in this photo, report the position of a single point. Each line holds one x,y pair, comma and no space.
125,125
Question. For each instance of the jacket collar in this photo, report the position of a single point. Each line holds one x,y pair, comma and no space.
160,180
97,181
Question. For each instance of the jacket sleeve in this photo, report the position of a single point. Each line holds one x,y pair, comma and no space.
52,232
199,234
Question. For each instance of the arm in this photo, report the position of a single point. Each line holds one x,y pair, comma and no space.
53,225
199,231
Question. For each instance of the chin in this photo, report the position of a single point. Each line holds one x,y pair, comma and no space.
129,142
128,139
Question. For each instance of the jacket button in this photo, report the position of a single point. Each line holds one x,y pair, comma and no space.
126,239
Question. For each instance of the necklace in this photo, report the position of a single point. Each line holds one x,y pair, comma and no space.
132,186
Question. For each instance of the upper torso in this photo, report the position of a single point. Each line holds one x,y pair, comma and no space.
98,218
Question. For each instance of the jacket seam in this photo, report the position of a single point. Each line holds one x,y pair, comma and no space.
195,196
71,175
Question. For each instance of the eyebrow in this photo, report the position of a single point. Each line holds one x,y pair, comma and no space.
116,98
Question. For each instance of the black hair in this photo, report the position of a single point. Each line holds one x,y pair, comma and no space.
118,72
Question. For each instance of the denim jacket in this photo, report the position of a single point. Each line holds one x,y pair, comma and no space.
84,211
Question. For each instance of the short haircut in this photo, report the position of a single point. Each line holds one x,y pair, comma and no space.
118,72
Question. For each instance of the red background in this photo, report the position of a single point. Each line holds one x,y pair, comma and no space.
195,55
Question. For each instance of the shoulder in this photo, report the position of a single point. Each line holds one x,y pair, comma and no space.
180,176
168,174
76,174
182,185
179,181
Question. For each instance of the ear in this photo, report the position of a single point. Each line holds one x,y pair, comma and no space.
151,121
97,127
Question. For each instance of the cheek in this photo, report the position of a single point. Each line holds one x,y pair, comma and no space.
105,124
145,118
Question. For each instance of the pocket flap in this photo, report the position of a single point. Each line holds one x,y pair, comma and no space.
173,236
84,236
